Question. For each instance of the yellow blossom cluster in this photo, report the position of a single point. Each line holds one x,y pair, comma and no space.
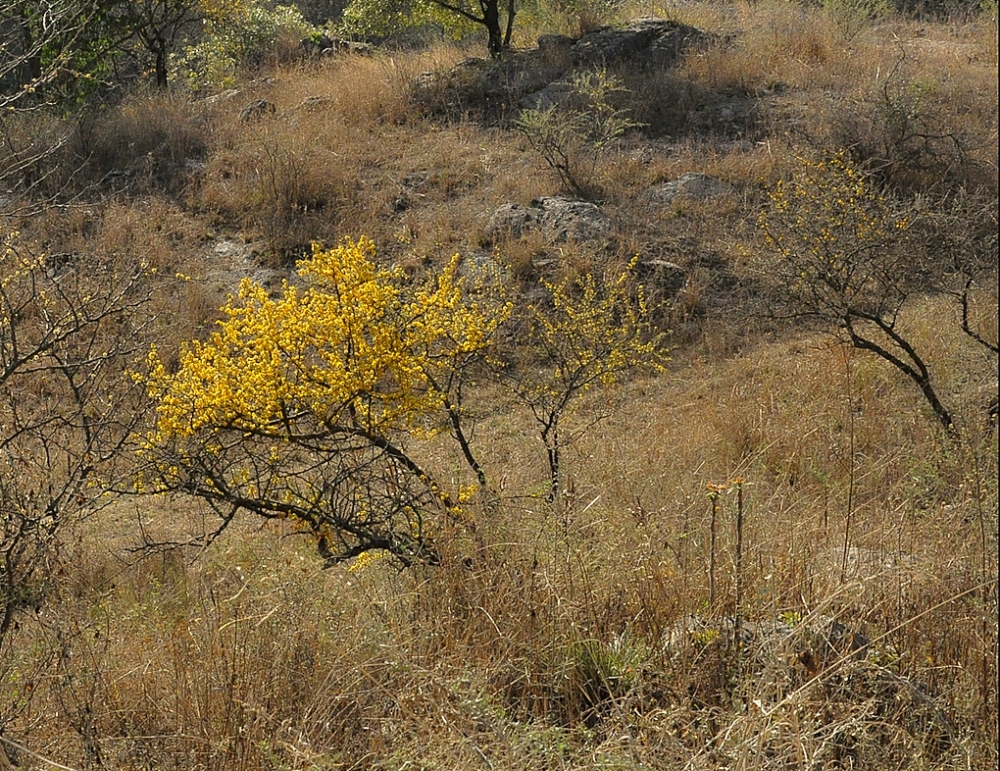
354,340
15,265
830,228
595,331
366,560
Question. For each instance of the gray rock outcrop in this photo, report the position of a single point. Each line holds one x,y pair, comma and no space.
691,186
520,74
324,45
553,95
557,219
257,110
811,641
643,43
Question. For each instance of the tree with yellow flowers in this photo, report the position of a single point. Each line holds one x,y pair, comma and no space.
313,406
588,331
841,252
318,406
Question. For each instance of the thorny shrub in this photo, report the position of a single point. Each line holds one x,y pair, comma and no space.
841,255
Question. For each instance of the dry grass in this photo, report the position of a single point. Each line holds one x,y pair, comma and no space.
892,94
549,650
347,153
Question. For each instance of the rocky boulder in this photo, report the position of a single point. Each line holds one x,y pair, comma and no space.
557,219
547,68
667,277
324,45
812,642
691,186
817,669
643,43
314,103
231,259
257,110
553,95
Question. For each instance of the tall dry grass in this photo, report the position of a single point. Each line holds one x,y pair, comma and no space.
549,649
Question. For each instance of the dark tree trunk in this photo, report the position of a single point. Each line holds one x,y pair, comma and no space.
511,11
915,368
34,59
161,65
491,20
33,55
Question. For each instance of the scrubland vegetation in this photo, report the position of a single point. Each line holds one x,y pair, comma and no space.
533,506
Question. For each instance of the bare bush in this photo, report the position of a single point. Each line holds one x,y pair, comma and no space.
68,327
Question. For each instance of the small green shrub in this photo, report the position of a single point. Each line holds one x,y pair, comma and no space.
573,17
245,42
571,136
602,675
852,17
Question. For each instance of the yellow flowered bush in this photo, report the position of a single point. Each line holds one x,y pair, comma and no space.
301,405
314,405
590,331
840,251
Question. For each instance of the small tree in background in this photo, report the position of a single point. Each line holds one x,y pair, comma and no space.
244,38
571,136
67,334
589,332
55,52
381,17
842,254
50,53
159,26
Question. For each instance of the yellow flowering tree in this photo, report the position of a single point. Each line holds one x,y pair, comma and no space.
841,252
313,406
589,331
